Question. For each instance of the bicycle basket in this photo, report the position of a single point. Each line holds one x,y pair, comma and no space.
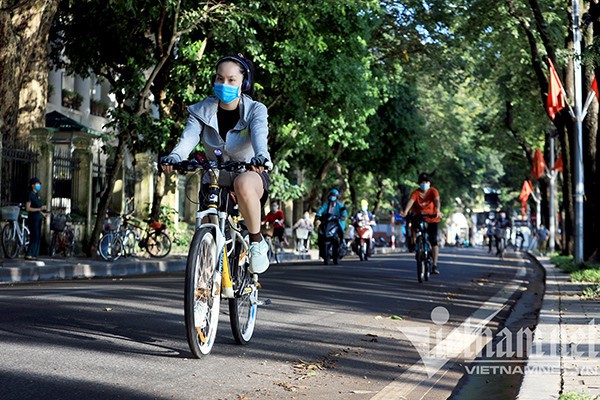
10,213
157,225
302,233
58,223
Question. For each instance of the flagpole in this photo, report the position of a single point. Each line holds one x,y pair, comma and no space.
579,185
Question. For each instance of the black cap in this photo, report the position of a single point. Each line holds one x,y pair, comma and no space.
34,180
424,177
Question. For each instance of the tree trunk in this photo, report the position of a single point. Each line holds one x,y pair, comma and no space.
92,247
34,84
23,30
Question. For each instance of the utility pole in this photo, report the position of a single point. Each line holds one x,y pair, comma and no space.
579,186
552,221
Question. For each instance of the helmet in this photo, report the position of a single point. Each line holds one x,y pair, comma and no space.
364,202
424,177
334,192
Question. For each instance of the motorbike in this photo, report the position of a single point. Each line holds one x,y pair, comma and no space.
362,241
329,234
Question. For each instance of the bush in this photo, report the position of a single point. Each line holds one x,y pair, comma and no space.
565,263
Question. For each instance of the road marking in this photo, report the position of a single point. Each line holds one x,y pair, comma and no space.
466,336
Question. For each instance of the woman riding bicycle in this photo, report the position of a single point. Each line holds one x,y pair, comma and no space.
237,125
426,200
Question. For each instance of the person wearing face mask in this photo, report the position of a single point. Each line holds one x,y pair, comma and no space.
231,121
426,200
276,220
35,216
334,207
363,222
304,228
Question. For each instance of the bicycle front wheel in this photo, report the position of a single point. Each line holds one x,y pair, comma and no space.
10,240
420,261
54,243
158,244
202,299
110,247
243,307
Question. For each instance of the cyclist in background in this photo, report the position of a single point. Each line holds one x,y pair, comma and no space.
35,215
502,225
276,218
426,200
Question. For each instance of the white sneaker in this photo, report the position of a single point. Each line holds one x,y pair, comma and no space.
259,257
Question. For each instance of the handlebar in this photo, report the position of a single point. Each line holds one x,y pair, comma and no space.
193,165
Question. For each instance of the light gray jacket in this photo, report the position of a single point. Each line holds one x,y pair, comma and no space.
246,140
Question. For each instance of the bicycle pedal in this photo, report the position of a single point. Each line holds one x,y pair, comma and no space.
263,303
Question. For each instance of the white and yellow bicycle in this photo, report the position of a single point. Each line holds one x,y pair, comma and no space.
217,264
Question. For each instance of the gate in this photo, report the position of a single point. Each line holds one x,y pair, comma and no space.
19,165
65,179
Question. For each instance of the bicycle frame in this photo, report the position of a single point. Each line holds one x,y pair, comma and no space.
217,221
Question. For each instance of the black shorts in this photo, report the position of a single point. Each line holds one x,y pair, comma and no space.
432,232
279,232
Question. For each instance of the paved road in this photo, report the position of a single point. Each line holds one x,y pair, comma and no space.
341,331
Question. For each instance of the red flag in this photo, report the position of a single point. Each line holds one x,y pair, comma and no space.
526,191
595,88
558,165
556,99
524,196
539,165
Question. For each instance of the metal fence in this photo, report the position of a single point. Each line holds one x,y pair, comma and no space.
19,165
65,181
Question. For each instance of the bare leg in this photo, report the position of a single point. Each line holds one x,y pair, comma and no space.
435,254
248,188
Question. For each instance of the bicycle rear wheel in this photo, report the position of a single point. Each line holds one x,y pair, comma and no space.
110,246
243,307
158,244
202,293
10,240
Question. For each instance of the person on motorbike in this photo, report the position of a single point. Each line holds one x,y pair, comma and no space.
426,200
275,218
363,221
237,125
503,224
334,207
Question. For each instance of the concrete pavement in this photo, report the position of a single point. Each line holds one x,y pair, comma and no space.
565,355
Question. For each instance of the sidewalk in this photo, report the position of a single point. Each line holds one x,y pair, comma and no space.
565,357
59,268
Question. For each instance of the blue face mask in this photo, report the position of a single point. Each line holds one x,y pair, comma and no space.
37,187
332,198
363,208
226,93
425,186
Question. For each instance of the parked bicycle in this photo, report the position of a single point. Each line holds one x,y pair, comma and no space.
63,237
122,238
15,234
423,250
218,261
110,244
153,239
